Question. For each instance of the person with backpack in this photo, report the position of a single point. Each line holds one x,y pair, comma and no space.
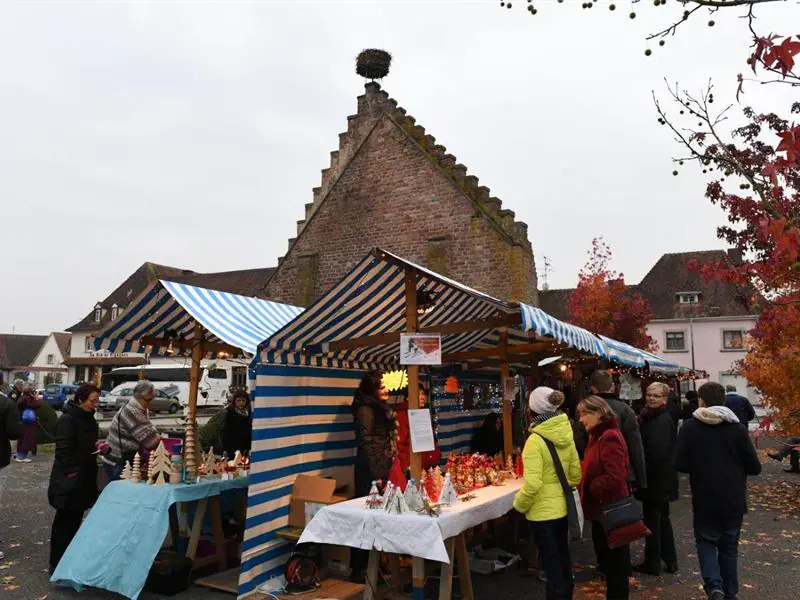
542,497
715,449
10,429
27,405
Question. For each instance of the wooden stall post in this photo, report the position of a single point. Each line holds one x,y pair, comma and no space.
413,370
508,426
412,322
191,452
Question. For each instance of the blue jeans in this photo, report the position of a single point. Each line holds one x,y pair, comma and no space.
552,538
717,540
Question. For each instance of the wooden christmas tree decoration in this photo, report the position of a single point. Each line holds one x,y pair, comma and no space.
388,496
448,496
374,500
127,471
136,475
210,463
160,466
190,450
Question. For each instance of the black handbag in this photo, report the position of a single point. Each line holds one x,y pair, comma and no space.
622,512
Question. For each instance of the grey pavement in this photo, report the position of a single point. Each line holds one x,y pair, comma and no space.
769,554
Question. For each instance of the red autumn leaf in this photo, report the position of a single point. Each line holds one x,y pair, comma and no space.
785,53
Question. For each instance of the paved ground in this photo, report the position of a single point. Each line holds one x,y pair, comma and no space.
769,555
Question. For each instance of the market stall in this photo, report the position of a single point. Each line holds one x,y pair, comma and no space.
307,373
124,531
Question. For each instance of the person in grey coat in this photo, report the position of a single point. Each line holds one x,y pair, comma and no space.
603,385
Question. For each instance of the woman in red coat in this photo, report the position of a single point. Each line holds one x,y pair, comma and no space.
605,479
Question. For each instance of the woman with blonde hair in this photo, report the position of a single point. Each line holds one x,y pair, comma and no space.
542,497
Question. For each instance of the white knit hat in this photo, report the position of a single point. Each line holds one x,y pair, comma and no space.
541,400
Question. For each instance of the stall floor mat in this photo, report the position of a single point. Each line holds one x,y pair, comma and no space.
227,581
331,589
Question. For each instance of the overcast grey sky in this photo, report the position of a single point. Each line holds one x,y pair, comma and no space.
191,134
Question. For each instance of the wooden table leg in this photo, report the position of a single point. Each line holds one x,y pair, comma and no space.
394,570
418,578
197,528
446,581
464,576
219,534
371,587
173,524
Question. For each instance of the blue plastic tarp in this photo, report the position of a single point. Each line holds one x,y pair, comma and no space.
117,543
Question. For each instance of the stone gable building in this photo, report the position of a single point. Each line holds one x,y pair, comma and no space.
390,184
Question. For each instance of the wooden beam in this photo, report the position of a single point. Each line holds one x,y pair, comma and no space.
508,441
495,352
184,344
413,370
394,336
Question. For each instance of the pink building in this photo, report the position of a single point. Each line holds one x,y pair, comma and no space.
696,324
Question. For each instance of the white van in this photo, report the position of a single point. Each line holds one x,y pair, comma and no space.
213,389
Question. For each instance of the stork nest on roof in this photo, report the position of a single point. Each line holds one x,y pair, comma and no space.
373,63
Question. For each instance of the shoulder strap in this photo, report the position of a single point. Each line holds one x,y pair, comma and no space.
562,477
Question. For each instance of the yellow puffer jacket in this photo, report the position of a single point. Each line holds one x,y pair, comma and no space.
541,497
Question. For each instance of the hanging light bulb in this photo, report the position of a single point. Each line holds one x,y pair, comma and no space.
170,348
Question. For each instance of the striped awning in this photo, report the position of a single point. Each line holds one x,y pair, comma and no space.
169,309
371,301
536,320
659,365
622,353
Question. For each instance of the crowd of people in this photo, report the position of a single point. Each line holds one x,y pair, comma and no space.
625,467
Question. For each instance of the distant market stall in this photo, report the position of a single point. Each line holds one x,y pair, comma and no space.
124,531
307,373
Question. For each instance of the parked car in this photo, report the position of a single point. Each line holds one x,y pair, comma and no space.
167,398
57,394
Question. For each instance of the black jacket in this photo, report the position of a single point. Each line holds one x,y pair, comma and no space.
741,407
373,427
674,406
73,480
659,433
637,473
718,459
10,428
235,432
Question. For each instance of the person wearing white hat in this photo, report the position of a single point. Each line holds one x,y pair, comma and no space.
541,498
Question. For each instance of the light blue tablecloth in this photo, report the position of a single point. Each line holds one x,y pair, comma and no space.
117,543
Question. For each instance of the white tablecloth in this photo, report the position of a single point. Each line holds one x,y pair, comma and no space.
352,524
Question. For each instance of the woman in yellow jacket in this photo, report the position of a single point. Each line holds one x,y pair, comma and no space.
541,498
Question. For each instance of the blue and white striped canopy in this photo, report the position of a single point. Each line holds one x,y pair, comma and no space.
371,300
659,365
238,321
536,320
623,353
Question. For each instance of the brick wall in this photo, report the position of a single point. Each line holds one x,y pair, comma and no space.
385,188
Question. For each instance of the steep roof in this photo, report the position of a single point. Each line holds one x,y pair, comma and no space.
63,341
135,284
554,302
19,350
671,275
248,282
374,107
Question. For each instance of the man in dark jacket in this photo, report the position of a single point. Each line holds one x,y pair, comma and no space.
716,451
659,431
739,405
10,428
603,385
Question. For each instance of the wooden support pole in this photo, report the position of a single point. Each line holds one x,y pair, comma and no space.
413,370
194,376
508,439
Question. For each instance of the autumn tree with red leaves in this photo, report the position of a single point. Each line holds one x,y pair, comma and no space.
754,175
603,304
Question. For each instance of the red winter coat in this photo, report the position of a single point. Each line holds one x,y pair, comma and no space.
604,469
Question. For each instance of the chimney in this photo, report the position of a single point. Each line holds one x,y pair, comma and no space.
735,256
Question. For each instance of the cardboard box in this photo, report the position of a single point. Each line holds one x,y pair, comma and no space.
309,494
